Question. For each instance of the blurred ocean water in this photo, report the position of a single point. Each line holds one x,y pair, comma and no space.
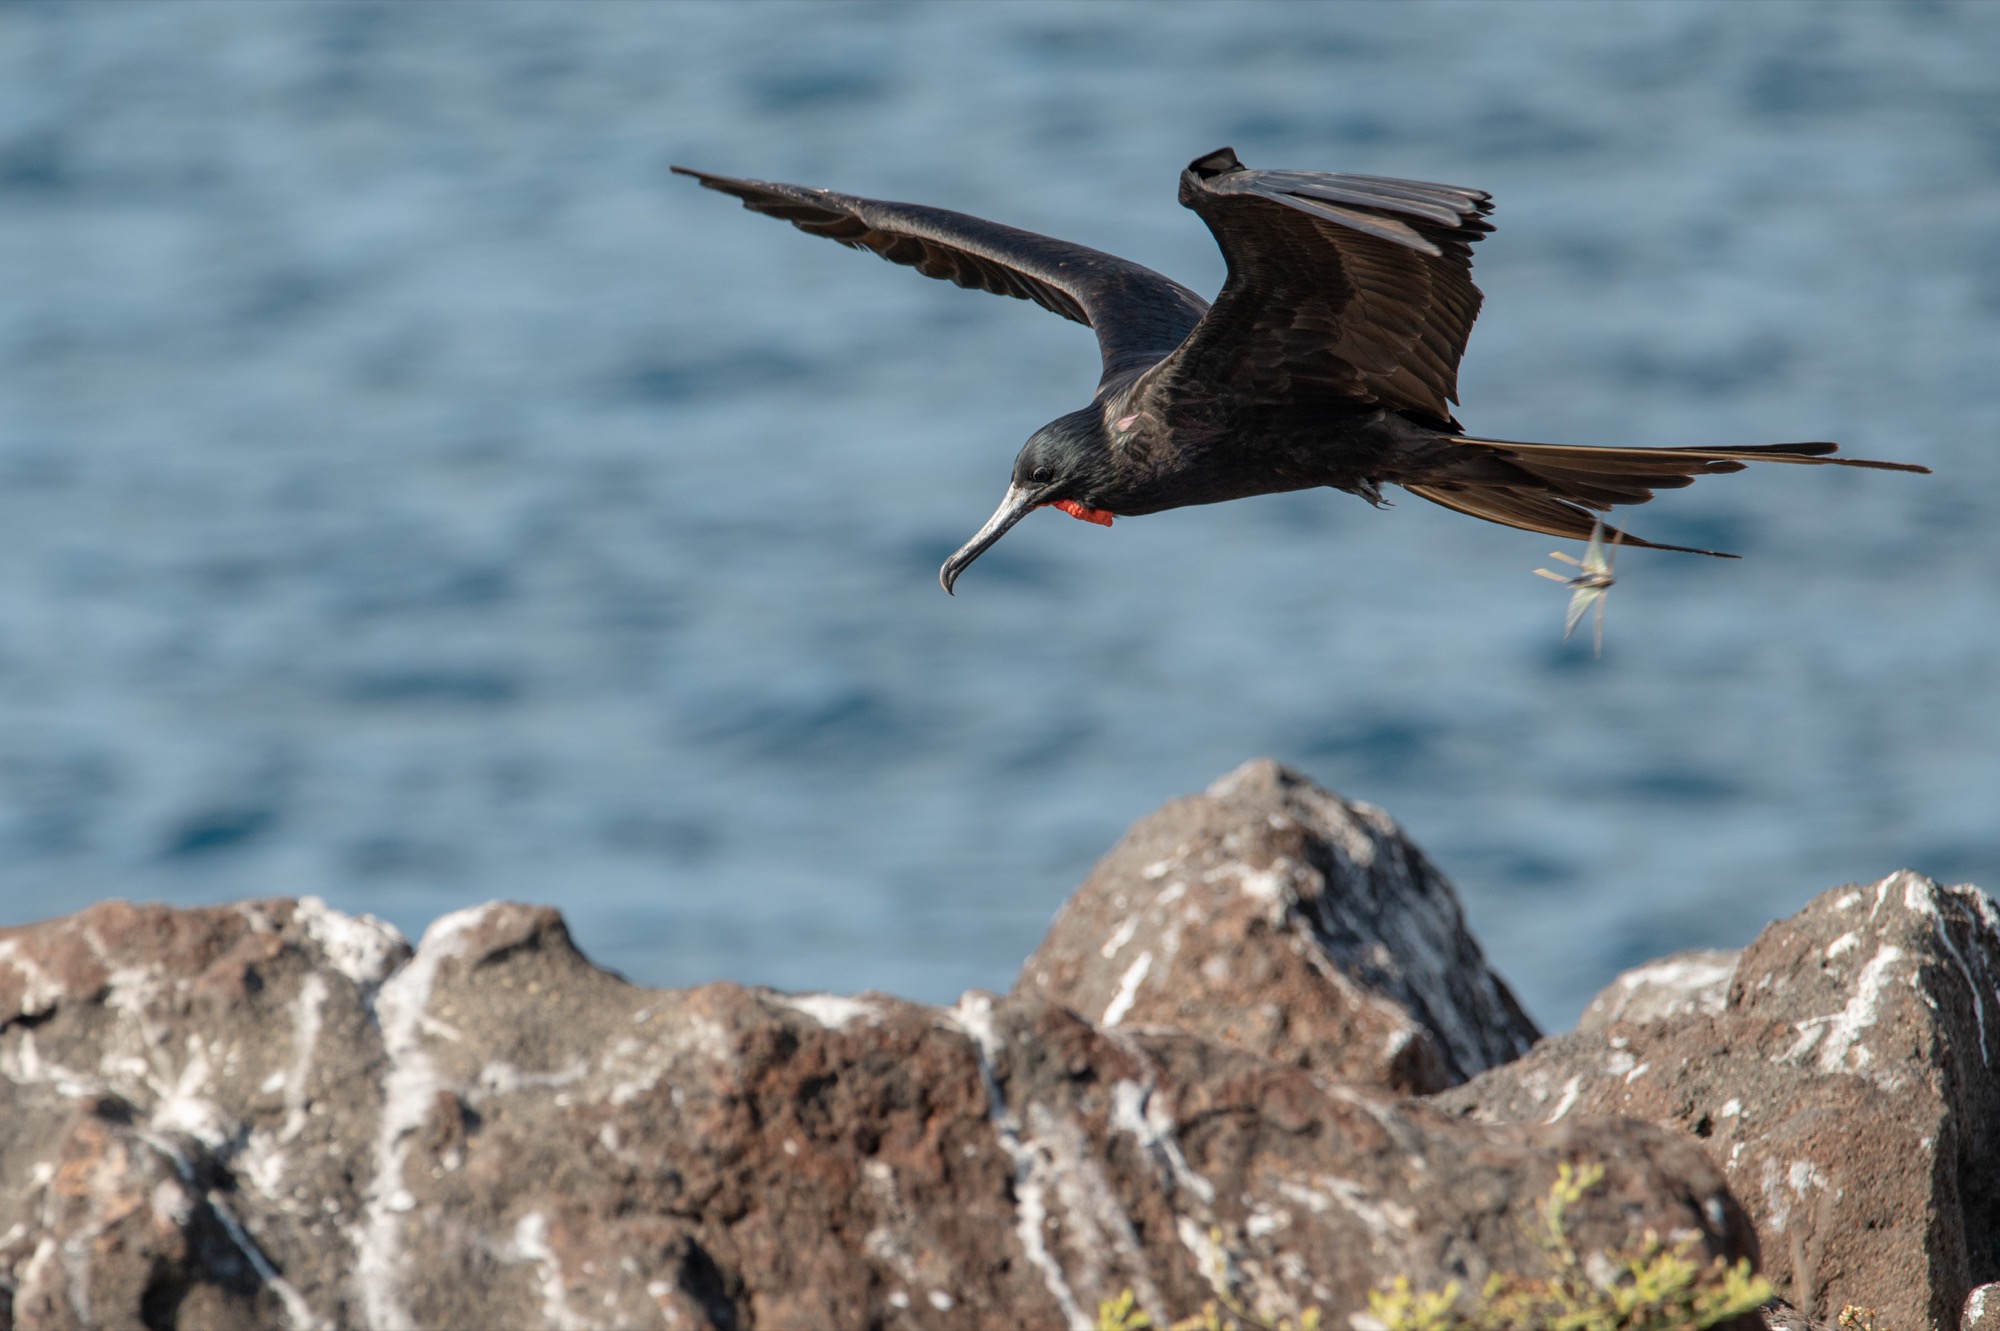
412,494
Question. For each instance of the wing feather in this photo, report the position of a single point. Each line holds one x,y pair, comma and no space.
1348,286
1138,315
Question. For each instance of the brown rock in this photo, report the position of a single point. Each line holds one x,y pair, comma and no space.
1686,984
183,1092
1779,1315
270,1115
1847,1085
1982,1309
1280,918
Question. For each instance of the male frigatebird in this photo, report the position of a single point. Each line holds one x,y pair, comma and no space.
1330,357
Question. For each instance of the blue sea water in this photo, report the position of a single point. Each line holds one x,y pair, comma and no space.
411,493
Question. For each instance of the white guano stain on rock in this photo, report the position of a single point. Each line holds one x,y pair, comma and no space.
1356,829
1264,1221
1776,1205
636,1068
1803,1176
1119,938
1385,1220
40,993
1921,897
1417,952
1092,1219
888,1243
1697,977
1382,1112
1136,1110
171,1203
264,1163
1838,1036
364,949
1210,1260
298,1313
833,1011
181,1105
24,1066
1979,1304
974,1016
1784,1188
1258,884
531,1243
1317,1202
625,1092
503,1078
1128,990
307,1018
1571,1090
409,1086
705,1036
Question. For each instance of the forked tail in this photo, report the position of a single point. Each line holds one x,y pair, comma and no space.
1559,489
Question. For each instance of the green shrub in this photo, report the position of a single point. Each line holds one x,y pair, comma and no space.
1647,1286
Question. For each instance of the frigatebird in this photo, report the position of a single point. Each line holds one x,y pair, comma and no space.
1330,357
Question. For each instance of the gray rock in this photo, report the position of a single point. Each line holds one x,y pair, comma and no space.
1847,1086
191,1100
1274,915
1779,1315
1686,984
271,1115
1982,1309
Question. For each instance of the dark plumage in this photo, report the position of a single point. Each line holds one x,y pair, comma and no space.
1330,358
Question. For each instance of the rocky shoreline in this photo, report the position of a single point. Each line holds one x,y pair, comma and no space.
1257,1053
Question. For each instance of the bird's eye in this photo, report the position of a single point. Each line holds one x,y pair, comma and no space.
1041,473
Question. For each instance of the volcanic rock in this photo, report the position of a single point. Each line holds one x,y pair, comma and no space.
1278,917
1982,1309
270,1114
1847,1079
1685,984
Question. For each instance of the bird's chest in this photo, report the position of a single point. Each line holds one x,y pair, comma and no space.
1190,456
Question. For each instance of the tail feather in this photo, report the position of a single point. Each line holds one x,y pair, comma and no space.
1554,488
1815,454
1538,512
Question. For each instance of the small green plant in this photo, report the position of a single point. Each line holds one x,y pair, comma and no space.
1123,1314
1645,1287
1225,1312
1401,1308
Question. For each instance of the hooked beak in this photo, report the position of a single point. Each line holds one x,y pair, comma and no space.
1019,502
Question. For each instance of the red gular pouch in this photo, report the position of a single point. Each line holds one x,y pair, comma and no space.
1102,517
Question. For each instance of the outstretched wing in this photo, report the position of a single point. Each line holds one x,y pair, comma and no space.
1356,288
1138,315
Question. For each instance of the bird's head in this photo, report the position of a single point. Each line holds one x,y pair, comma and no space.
1062,465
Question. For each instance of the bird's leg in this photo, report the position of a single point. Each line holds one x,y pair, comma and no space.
1370,491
